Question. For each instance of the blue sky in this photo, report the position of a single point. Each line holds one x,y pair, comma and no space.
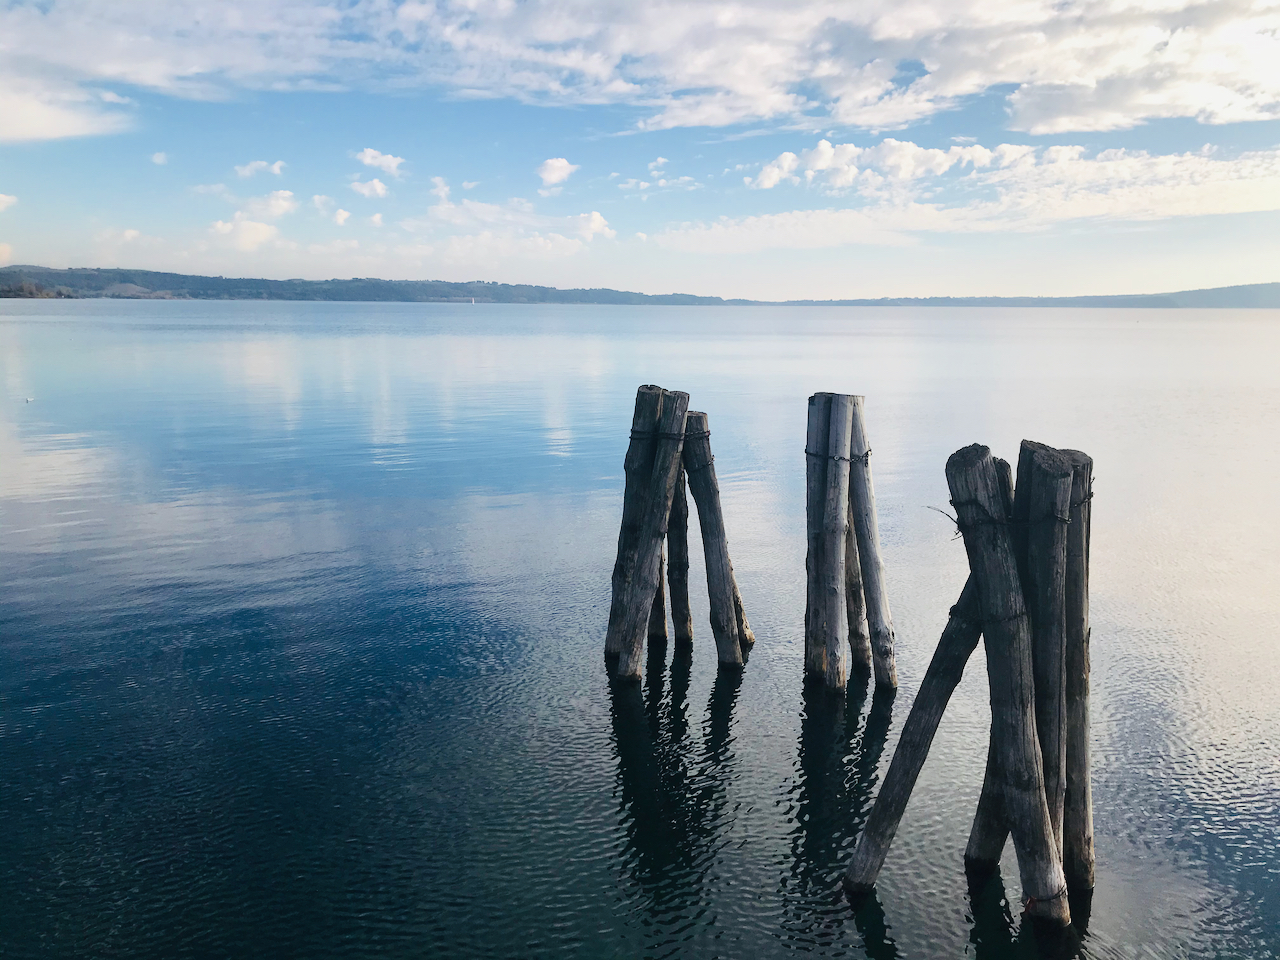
813,149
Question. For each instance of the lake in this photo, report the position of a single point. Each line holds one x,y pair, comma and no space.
302,613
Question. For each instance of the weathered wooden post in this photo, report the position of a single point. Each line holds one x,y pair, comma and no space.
830,663
638,467
638,592
678,562
975,492
1077,828
815,489
699,466
862,502
855,604
657,634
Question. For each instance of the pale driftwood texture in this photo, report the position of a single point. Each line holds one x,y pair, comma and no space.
638,593
831,635
815,490
678,562
638,466
658,612
1044,585
1077,829
862,499
855,604
959,638
975,486
746,637
700,468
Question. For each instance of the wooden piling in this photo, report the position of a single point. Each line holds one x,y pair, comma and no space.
657,634
830,661
1077,827
638,467
678,562
855,604
815,489
976,495
699,466
638,592
862,500
959,639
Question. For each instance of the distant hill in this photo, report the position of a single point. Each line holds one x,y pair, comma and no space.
29,281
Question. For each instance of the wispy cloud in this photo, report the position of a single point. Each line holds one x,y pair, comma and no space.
7,201
260,166
160,158
371,189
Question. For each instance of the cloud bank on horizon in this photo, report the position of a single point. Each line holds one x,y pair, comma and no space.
809,126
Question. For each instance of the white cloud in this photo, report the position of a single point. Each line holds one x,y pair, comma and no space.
6,254
160,158
903,190
376,220
555,170
383,161
879,64
259,166
322,203
7,201
373,188
273,206
340,217
216,189
658,164
243,234
470,184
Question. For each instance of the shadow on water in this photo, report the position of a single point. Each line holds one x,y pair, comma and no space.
673,797
838,761
993,934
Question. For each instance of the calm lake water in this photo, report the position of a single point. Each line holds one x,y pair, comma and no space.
302,611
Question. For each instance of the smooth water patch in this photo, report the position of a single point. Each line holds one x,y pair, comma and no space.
302,607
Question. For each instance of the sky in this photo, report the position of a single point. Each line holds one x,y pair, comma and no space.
808,149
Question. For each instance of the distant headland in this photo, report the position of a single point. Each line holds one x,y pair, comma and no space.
30,281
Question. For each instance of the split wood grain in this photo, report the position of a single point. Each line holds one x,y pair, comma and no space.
862,500
678,562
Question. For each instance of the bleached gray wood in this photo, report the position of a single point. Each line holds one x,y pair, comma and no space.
855,604
638,467
678,562
831,636
658,612
699,466
1077,826
862,499
746,636
959,639
815,491
652,530
975,487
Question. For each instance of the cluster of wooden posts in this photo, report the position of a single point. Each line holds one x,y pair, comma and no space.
670,444
1027,594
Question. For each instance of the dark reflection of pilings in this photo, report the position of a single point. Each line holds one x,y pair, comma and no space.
993,935
838,771
673,795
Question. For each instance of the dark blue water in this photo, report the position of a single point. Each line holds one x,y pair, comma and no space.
302,610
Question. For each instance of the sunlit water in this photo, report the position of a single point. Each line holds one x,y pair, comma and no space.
302,610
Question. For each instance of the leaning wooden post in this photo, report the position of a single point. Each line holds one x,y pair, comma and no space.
699,465
638,466
658,612
831,664
975,493
815,490
1077,827
678,562
862,500
959,640
639,591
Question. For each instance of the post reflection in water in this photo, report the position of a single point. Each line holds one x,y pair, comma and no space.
673,796
838,757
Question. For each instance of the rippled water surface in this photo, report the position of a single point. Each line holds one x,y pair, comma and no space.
302,610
